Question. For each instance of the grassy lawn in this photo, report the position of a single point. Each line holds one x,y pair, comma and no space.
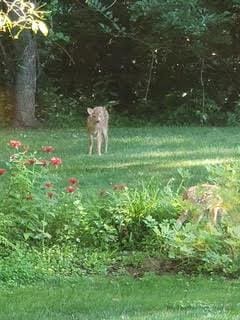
135,154
166,297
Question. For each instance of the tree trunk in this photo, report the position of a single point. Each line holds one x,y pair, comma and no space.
26,80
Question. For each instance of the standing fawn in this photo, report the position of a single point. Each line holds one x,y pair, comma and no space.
97,126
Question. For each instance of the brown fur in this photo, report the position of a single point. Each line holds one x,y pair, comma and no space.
97,127
120,187
206,197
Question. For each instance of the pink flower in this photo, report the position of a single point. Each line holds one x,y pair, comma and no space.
2,171
70,189
56,161
73,181
15,144
48,149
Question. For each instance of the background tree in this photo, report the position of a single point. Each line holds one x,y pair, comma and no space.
21,19
170,61
187,46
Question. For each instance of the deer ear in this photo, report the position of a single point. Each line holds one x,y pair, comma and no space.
90,111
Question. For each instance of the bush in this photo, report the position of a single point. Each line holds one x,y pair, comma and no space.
186,108
126,218
199,248
61,111
32,207
27,265
22,267
233,117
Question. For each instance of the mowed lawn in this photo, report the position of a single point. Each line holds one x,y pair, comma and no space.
149,298
135,154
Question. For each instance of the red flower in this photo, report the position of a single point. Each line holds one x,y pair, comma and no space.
48,149
2,171
73,181
56,161
48,185
70,189
15,144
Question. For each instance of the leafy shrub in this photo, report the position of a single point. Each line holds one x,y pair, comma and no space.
27,265
127,217
227,177
187,108
62,111
199,248
22,267
233,117
59,110
33,209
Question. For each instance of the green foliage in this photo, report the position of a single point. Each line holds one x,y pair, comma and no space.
204,247
47,231
233,117
27,265
180,33
113,22
180,15
19,15
228,178
182,108
22,267
143,52
60,111
199,248
126,218
34,210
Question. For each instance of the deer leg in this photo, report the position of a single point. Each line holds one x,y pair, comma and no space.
105,136
216,215
183,217
99,143
90,144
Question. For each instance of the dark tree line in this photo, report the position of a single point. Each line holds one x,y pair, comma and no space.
173,61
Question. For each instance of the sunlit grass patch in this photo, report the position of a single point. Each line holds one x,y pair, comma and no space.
135,154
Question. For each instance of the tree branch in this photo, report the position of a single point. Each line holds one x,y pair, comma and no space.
67,53
150,75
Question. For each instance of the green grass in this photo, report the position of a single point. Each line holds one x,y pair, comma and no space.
150,298
135,154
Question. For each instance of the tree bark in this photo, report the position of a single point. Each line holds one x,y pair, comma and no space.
26,81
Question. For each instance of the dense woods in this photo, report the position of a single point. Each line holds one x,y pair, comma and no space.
170,61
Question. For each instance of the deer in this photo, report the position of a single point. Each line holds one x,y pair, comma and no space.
206,199
97,127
